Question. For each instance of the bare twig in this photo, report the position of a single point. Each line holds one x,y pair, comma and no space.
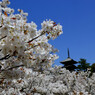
15,67
36,37
31,48
3,37
12,67
5,57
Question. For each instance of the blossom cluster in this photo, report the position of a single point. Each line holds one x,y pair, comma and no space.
22,44
54,81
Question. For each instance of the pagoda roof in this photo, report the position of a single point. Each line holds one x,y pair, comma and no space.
70,66
68,60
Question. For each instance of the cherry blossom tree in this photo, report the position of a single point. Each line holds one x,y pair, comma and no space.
26,59
21,44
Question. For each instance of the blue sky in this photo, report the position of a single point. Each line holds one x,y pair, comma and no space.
77,18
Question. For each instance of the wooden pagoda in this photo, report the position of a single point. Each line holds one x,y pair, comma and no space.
69,63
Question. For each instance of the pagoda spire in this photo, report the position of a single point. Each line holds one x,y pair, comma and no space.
68,53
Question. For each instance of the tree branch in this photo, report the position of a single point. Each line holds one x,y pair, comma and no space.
12,67
3,37
5,57
31,47
36,37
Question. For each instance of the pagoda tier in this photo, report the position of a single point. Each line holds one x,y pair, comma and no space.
68,61
70,67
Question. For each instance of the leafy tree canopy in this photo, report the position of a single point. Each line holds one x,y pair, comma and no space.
83,65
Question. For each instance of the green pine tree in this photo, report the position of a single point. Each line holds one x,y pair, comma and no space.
83,65
93,67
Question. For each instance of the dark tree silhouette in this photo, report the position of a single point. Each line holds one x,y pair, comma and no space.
83,65
93,67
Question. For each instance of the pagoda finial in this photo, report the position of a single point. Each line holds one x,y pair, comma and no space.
68,53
